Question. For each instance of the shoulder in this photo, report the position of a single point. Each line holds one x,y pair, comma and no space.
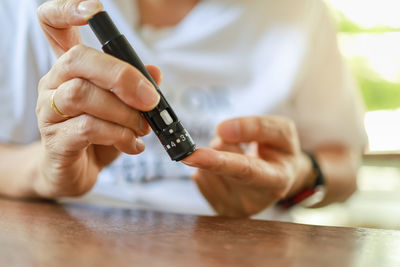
300,13
285,8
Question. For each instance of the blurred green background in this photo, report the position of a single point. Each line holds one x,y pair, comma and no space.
370,40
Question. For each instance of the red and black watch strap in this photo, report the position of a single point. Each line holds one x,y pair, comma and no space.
307,192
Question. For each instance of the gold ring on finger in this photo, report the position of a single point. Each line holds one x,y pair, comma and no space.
54,107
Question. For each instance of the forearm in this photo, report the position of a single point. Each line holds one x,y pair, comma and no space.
19,170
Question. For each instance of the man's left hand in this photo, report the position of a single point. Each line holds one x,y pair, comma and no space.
240,183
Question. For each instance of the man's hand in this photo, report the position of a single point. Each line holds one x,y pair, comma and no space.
101,95
240,183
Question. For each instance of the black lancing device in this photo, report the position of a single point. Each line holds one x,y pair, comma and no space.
162,119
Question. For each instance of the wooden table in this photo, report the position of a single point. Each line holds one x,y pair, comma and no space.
48,234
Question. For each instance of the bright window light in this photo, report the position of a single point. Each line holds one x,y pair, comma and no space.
370,13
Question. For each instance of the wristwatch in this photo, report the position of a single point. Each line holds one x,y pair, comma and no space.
309,196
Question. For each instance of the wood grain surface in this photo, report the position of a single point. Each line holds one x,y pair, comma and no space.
50,234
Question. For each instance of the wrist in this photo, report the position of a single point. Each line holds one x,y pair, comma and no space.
305,178
49,183
41,185
60,176
26,174
312,189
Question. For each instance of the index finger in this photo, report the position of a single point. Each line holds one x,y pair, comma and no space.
248,170
59,18
106,72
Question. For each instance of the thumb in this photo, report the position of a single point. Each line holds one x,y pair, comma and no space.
58,19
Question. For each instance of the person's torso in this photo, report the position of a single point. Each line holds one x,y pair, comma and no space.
225,59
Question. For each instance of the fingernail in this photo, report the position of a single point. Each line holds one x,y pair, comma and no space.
230,130
188,163
88,8
139,144
146,94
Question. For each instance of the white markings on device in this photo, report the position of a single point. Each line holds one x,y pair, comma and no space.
182,138
166,117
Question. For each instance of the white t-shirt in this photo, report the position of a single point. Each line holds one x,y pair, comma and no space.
227,58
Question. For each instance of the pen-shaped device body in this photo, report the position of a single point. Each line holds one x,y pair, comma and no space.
162,119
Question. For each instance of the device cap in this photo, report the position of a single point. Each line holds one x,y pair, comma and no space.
103,27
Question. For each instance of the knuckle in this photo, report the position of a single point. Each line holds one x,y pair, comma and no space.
47,132
42,105
64,5
49,10
125,74
134,121
293,138
145,129
123,71
247,169
263,125
74,54
75,93
126,136
42,82
86,125
127,117
42,12
77,50
220,164
65,62
196,176
288,131
38,108
49,137
68,60
291,127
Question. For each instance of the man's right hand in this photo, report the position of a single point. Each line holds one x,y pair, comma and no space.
102,97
